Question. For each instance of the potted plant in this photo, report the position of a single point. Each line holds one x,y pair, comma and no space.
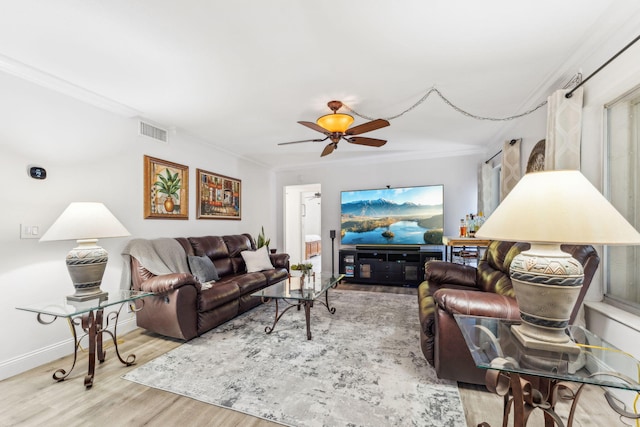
306,268
307,272
168,185
262,240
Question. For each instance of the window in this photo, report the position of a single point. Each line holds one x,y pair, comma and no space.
622,263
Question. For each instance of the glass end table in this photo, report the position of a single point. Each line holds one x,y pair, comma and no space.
300,292
531,379
89,316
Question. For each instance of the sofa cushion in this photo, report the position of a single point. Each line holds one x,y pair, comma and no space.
238,243
276,275
250,282
211,246
257,260
215,248
220,293
202,267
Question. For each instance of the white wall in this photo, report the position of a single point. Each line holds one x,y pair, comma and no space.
312,219
89,155
302,216
458,174
292,212
622,75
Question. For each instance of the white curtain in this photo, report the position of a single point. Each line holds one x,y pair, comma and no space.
511,171
564,130
484,189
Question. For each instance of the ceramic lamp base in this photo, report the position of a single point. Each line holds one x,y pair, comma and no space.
86,264
547,282
100,296
568,347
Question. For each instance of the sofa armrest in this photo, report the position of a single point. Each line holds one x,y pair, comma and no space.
442,273
476,303
168,282
280,260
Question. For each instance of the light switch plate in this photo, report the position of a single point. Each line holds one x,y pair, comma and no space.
29,231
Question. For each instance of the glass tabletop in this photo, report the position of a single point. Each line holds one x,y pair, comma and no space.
293,288
493,346
64,308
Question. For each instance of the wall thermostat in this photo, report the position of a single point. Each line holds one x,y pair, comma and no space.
37,172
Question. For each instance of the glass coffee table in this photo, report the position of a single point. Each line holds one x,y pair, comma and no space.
89,317
299,292
530,379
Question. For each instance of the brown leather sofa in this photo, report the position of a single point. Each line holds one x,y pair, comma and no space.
182,308
483,291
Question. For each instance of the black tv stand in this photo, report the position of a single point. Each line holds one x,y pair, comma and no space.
406,248
386,265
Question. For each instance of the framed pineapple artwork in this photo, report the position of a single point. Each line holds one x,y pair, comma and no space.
166,189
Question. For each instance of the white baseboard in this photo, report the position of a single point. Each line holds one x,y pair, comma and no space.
33,359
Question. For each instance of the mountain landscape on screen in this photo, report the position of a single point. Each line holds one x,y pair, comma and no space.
393,216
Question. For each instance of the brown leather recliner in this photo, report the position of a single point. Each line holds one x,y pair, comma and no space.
483,291
181,308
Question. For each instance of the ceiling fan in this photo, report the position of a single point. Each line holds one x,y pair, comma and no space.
335,127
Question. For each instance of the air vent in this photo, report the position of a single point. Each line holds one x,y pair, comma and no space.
154,132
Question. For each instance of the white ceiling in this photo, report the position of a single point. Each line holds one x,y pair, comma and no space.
239,74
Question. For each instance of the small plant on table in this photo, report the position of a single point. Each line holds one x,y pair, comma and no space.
306,269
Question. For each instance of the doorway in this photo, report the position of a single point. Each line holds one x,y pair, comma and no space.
302,224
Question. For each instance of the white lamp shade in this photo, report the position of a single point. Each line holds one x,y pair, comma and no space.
85,220
558,207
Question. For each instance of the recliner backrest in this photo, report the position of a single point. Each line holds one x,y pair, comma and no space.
493,268
235,245
215,248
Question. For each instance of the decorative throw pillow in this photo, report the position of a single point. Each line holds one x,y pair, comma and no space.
202,267
257,260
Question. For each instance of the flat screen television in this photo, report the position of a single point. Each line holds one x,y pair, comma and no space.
392,216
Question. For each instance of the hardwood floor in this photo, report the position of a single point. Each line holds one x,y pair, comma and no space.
35,399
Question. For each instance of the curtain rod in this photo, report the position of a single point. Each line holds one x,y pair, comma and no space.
513,141
570,93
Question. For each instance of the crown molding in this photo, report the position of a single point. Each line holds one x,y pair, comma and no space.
33,75
598,45
381,158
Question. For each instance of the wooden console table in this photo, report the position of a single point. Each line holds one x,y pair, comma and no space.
463,242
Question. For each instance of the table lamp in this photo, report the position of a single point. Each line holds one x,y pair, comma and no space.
547,209
86,222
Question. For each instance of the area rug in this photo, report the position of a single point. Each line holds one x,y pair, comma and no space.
363,366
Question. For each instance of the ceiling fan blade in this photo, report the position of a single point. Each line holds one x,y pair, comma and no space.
367,127
328,149
304,140
315,127
372,142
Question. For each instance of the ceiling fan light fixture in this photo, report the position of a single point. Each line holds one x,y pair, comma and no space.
335,122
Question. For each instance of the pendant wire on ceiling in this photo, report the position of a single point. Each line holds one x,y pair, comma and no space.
574,83
450,104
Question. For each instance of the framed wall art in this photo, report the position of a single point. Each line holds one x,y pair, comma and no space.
166,189
218,196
